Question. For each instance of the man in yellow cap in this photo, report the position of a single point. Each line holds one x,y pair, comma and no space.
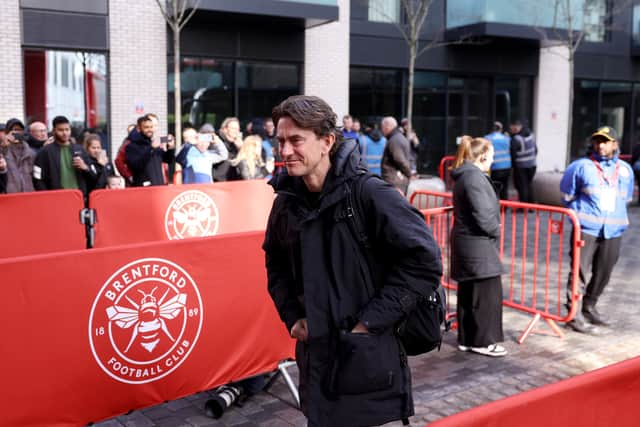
597,188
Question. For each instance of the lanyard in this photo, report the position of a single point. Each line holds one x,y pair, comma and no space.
610,181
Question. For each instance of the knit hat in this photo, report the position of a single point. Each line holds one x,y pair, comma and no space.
11,123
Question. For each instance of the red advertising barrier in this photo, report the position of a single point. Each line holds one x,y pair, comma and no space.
93,334
534,245
605,397
41,222
177,212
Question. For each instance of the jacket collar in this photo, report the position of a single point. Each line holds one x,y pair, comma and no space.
345,165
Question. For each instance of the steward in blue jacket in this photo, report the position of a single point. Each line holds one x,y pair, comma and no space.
597,188
501,166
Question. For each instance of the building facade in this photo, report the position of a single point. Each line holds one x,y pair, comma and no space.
103,63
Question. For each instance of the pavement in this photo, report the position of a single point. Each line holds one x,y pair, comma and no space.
450,381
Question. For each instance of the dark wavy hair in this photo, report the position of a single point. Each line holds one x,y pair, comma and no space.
309,112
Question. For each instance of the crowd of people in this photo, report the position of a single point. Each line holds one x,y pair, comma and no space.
34,159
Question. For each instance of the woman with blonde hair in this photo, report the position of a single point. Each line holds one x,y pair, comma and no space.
476,264
248,162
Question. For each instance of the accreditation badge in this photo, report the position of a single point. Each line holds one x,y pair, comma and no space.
608,199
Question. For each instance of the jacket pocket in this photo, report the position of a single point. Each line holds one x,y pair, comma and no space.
365,363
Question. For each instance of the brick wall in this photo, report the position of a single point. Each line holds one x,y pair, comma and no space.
326,57
138,64
11,80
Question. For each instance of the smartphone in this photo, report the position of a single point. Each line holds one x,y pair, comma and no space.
205,137
164,139
76,154
19,136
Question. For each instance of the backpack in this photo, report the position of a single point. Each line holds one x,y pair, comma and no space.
421,330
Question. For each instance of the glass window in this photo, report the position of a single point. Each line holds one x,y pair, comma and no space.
262,86
595,20
585,115
616,111
207,91
635,25
429,118
384,11
375,93
513,99
47,96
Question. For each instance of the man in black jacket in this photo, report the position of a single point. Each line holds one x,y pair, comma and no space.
396,159
145,154
342,309
62,164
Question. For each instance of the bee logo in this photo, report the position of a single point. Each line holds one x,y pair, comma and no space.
191,213
145,321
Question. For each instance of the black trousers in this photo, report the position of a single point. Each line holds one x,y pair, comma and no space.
501,177
522,178
480,312
598,257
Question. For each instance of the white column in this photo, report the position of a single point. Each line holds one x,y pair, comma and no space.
138,65
551,110
11,70
326,61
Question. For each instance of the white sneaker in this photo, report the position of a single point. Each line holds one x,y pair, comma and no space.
463,347
493,350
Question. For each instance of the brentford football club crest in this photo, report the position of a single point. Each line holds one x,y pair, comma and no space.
191,213
145,321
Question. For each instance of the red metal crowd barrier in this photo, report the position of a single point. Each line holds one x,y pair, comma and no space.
137,215
137,324
444,170
426,199
604,397
534,243
41,222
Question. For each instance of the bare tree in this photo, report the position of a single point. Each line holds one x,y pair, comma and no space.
569,29
177,13
415,13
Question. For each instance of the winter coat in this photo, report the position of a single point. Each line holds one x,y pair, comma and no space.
317,270
476,230
20,160
396,166
98,174
145,161
46,168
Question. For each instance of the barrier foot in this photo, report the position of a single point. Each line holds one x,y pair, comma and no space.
282,368
555,330
553,325
529,328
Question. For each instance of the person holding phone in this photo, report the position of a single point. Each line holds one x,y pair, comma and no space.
145,154
207,151
18,159
62,164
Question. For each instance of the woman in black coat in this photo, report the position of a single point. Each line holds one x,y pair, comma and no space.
476,264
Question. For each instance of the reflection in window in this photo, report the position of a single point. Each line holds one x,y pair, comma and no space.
71,84
384,11
262,86
207,91
595,20
635,25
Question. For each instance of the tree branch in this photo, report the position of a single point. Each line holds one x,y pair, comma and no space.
191,12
